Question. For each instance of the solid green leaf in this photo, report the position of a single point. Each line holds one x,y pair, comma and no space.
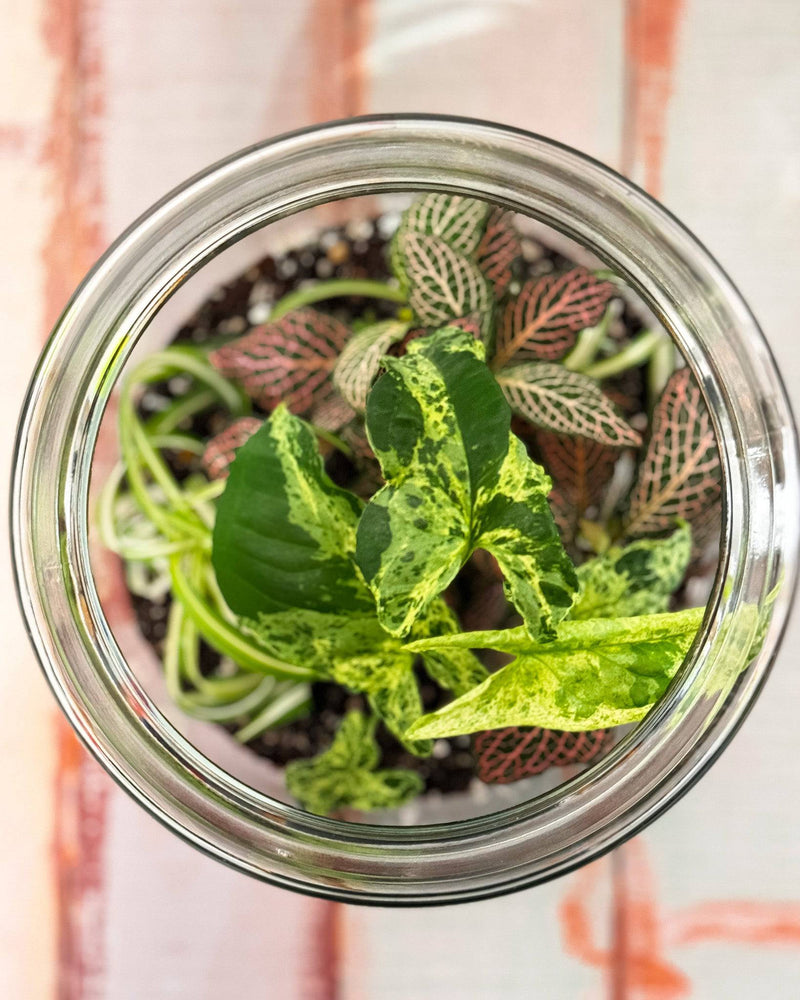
285,534
595,674
345,775
361,359
566,402
457,480
443,284
636,580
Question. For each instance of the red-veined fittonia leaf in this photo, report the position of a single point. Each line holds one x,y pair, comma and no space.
360,360
331,414
221,449
543,321
506,755
459,221
679,476
498,249
289,360
580,470
443,284
566,402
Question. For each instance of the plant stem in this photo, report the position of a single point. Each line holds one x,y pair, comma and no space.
588,344
661,366
336,288
631,356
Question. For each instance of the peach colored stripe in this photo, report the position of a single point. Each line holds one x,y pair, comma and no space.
72,157
737,921
651,31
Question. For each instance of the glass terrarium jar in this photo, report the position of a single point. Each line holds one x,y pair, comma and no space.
188,774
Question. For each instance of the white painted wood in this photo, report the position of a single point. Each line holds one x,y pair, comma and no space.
27,932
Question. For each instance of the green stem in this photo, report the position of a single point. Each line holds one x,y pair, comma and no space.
631,356
285,707
225,638
336,288
332,439
588,344
661,366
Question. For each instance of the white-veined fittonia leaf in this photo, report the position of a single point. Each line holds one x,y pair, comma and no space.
284,535
221,449
457,480
595,674
459,221
552,397
638,579
289,360
543,321
346,775
679,476
498,250
361,359
443,284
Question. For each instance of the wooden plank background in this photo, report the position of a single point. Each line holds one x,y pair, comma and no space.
104,105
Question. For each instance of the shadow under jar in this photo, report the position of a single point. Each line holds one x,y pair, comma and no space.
226,814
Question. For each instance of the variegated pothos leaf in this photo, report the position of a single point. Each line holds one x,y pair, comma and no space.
361,359
289,360
284,535
566,402
595,674
680,475
456,670
543,321
346,776
638,579
457,480
442,283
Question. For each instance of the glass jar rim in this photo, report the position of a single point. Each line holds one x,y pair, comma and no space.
486,855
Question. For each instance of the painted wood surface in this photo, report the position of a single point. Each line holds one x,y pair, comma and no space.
104,105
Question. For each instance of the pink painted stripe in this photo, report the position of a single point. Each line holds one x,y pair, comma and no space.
72,156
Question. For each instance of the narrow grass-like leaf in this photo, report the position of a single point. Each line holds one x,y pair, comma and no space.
361,359
284,535
498,250
543,321
346,776
679,476
289,360
566,402
443,284
221,449
636,580
457,480
594,675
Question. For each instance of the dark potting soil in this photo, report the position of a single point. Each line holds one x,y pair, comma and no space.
356,250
